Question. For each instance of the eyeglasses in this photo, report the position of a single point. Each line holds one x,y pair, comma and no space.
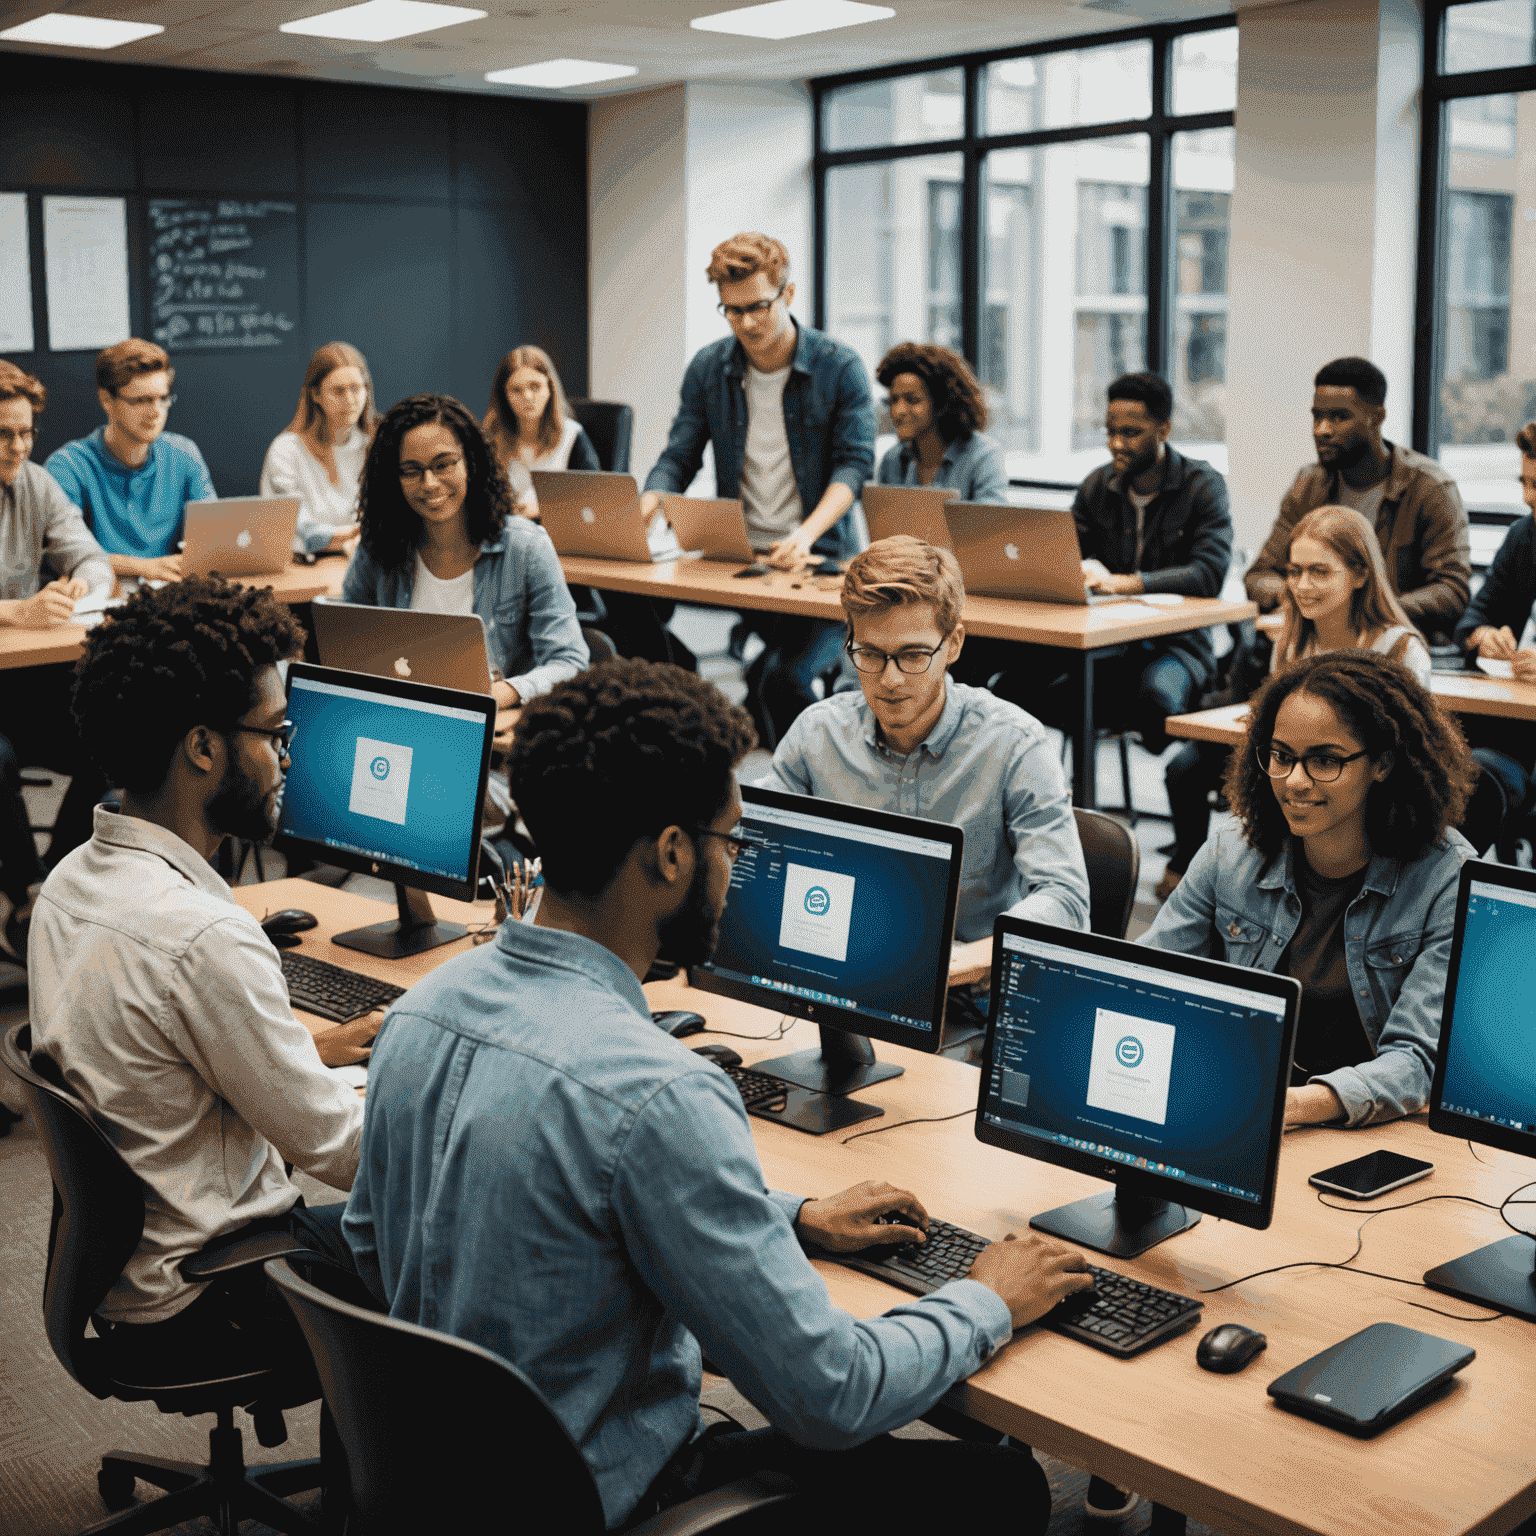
282,734
12,438
1320,767
441,468
741,311
158,402
734,844
914,661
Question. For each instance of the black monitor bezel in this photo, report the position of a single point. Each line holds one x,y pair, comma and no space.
1448,1122
426,693
1126,1176
927,1041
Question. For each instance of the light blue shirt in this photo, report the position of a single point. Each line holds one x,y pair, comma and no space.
547,1173
972,465
133,511
987,767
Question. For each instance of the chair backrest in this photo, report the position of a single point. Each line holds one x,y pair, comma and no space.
433,1424
98,1210
1113,857
1485,811
610,424
599,646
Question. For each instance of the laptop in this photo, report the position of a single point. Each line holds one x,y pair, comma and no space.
1024,552
445,650
712,526
592,512
239,535
916,510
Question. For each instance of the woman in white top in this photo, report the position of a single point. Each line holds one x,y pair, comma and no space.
530,426
319,456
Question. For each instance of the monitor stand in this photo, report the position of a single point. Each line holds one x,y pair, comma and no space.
844,1064
413,932
1122,1222
1501,1275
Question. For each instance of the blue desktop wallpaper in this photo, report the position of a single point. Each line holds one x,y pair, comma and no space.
440,821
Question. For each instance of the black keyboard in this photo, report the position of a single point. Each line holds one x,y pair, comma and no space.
1120,1315
317,986
757,1087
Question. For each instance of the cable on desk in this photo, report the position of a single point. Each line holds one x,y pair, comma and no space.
783,1028
897,1125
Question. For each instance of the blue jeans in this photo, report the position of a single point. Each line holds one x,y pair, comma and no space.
1196,769
796,652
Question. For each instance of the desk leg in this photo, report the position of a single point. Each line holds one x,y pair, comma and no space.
1084,775
1165,1522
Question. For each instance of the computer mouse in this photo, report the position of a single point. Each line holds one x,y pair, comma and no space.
679,1023
289,920
722,1055
827,568
1228,1348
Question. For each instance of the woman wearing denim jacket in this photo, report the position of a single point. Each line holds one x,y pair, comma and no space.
1343,873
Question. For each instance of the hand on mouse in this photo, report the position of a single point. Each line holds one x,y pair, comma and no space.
1031,1274
846,1222
348,1044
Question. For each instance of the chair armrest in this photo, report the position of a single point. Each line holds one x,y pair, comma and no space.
708,1510
236,1250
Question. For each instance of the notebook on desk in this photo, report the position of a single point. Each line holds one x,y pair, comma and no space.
1022,552
239,535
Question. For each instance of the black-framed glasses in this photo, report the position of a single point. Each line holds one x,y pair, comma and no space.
741,311
1320,767
138,402
734,844
913,660
282,734
441,468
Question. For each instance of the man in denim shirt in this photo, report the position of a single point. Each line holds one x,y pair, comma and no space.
917,742
547,1173
789,414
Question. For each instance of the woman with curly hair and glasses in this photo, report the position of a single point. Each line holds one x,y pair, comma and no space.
937,412
437,537
1341,873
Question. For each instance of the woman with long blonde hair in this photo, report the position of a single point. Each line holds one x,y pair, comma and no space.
530,426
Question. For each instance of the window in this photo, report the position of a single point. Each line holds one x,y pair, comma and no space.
1075,230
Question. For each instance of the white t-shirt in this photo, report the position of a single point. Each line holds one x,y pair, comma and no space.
1367,502
290,469
770,499
558,457
431,594
1415,654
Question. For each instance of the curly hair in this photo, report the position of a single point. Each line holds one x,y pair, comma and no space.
747,254
171,659
619,753
391,531
1386,710
958,406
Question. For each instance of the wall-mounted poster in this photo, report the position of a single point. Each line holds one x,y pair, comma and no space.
85,257
15,275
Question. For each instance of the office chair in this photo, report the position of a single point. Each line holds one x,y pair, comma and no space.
1482,823
611,425
1113,857
98,1218
437,1429
599,646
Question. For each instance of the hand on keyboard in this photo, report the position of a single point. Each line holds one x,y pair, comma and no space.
1031,1274
347,1044
847,1222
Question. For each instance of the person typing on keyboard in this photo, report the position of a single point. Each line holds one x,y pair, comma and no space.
162,1001
546,1172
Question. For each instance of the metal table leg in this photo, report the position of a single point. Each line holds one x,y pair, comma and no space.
1084,777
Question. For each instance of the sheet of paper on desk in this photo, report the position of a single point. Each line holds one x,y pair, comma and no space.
1495,666
96,603
1131,608
355,1076
1468,688
1161,599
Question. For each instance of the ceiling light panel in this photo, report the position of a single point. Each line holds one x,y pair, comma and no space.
381,21
561,74
792,18
79,31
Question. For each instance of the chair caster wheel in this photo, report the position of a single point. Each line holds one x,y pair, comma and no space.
115,1488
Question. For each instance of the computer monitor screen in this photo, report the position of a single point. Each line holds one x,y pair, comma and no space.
1164,1073
387,777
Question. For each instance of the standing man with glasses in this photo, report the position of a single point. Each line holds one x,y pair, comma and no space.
789,414
132,478
915,741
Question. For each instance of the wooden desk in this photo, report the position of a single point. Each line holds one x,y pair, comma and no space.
39,647
1087,634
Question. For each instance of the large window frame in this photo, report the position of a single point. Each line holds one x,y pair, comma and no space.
974,145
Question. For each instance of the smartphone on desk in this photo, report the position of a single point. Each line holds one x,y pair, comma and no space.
1374,1174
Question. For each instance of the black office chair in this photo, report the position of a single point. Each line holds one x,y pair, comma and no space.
599,646
98,1218
1113,857
1482,822
437,1430
611,426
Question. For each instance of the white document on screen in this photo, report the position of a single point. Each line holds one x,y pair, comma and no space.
1130,1066
818,906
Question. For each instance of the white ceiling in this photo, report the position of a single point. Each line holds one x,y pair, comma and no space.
243,36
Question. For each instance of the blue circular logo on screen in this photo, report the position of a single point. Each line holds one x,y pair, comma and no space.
1128,1051
817,901
379,767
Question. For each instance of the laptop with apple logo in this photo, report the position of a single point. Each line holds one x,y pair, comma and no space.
239,535
446,650
1021,552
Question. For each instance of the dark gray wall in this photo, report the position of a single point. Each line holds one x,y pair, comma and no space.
436,230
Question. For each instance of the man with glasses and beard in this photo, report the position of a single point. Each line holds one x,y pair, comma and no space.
162,1002
549,1174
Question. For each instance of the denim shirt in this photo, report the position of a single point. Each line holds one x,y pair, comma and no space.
829,421
973,465
986,767
1233,906
532,637
548,1174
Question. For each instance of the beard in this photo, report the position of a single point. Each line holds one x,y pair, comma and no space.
239,807
688,937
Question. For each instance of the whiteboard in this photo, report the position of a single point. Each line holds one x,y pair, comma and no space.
85,256
15,275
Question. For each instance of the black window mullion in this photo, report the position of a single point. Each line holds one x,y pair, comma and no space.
1428,333
971,223
1159,222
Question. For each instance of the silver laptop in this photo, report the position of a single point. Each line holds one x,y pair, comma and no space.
1023,552
239,535
446,650
592,512
916,510
712,526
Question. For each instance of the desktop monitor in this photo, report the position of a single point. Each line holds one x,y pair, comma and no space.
843,916
1164,1073
1484,1087
388,777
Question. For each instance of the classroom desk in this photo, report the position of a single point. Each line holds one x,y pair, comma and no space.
39,647
1214,1447
1086,634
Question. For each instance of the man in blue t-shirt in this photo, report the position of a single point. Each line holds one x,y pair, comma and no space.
132,478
